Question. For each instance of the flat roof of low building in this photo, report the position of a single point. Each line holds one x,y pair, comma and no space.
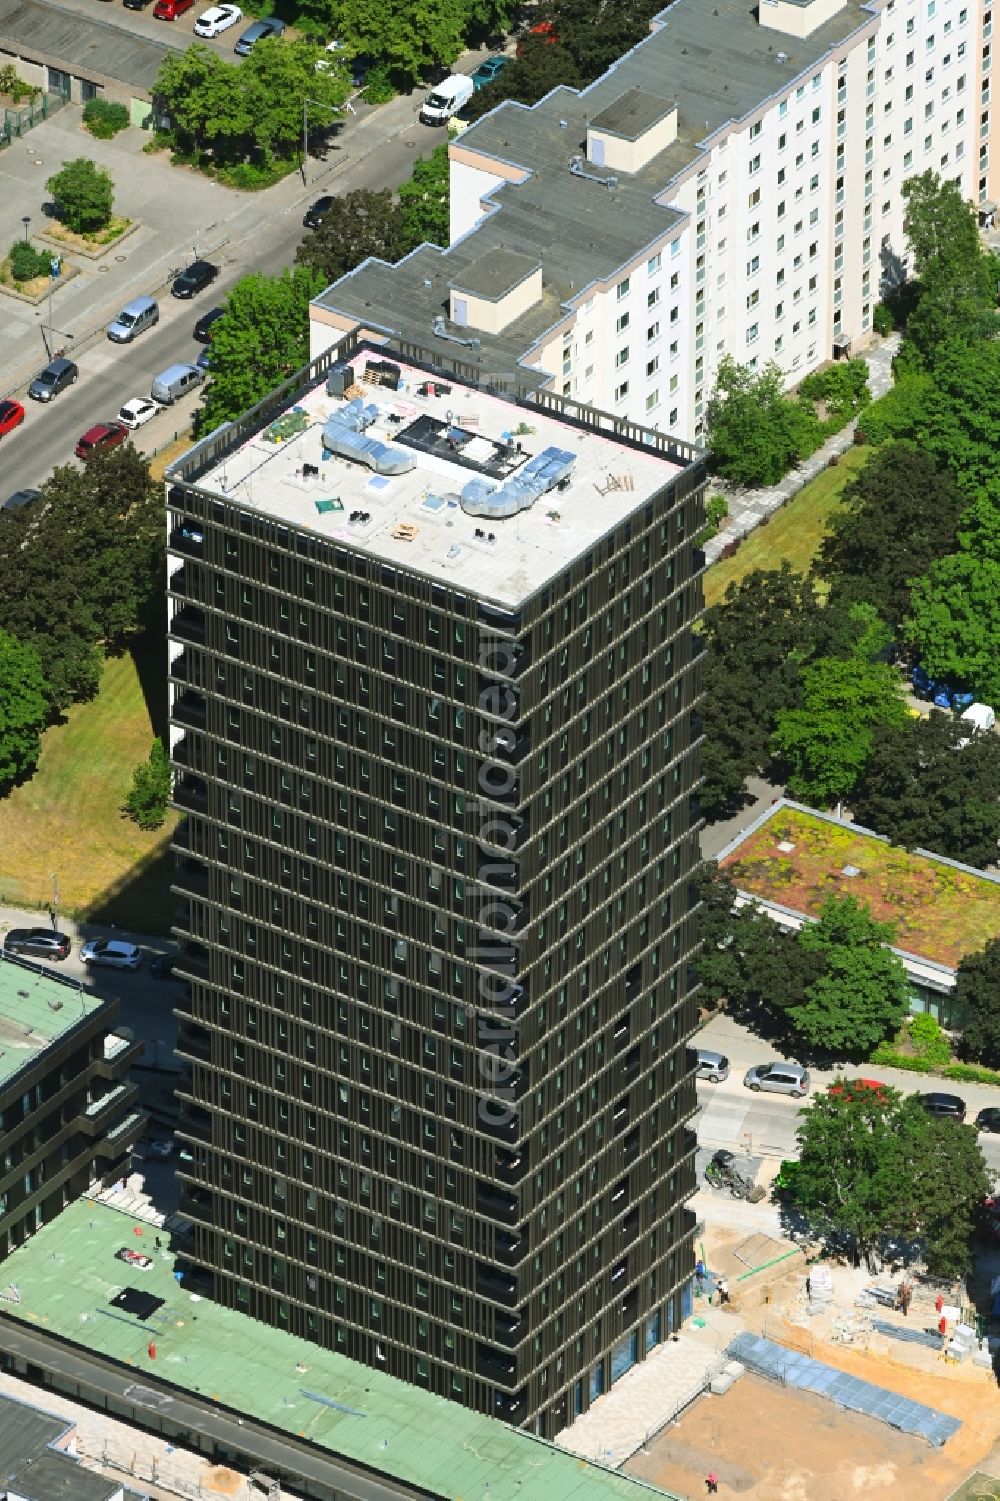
456,433
632,114
34,1469
496,273
36,1009
90,47
68,1272
795,857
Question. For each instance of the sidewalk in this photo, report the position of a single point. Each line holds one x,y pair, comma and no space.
747,508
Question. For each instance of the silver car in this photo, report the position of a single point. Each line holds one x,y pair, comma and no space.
57,375
112,952
711,1066
779,1078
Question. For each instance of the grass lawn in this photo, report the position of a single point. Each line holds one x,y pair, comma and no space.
67,821
793,533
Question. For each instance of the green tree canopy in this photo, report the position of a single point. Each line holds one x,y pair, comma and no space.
425,202
747,959
149,796
754,431
899,516
827,741
84,195
250,111
23,709
862,994
261,339
355,226
957,275
411,40
922,790
977,990
82,568
954,623
540,68
871,1169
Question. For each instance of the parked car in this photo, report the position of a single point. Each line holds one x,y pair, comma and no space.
135,4
216,19
778,1078
204,360
19,500
203,328
711,1066
113,953
57,375
135,317
169,10
489,69
315,212
40,943
137,411
195,278
950,1106
174,382
446,99
11,416
258,32
101,438
988,1119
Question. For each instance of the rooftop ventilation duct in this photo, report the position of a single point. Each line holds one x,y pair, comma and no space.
578,170
440,332
547,469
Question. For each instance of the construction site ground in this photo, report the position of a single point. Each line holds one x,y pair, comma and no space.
768,1442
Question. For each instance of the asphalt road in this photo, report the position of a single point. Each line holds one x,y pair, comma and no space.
110,374
764,1125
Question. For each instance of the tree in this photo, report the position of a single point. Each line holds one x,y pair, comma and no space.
84,195
827,741
958,277
977,992
597,32
922,790
146,803
758,640
356,226
862,994
424,200
261,339
411,40
82,569
746,958
23,708
754,432
954,623
899,515
540,68
871,1169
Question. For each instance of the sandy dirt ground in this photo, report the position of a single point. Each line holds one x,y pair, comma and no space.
767,1443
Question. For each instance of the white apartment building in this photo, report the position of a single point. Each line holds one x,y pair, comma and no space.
731,186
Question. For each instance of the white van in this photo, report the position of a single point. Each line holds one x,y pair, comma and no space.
446,99
977,719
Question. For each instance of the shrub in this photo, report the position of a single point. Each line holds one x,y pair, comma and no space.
378,87
716,511
146,804
882,319
105,119
26,262
929,1041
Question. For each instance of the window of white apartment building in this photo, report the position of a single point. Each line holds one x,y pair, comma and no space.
781,209
753,233
779,311
675,248
588,337
652,332
621,324
779,344
621,391
753,265
907,159
911,25
653,297
800,92
652,401
782,141
753,333
675,314
674,348
653,264
675,281
621,358
928,141
754,198
755,130
816,115
673,416
753,299
782,109
910,56
754,164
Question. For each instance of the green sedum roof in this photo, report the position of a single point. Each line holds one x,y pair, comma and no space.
67,1273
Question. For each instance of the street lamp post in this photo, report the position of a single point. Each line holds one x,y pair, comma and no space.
26,220
332,109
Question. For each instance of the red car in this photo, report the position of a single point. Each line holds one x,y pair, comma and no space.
169,10
11,416
100,439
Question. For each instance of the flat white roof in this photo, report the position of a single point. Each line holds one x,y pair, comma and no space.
415,519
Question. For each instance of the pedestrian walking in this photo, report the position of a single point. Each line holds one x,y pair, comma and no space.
699,1276
723,1287
905,1297
939,1302
943,1329
809,1287
712,1483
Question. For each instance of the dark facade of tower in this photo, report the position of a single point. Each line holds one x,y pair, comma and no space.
439,937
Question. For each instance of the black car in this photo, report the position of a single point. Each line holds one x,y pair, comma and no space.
949,1106
40,943
315,212
19,500
197,276
203,328
136,4
162,967
988,1119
